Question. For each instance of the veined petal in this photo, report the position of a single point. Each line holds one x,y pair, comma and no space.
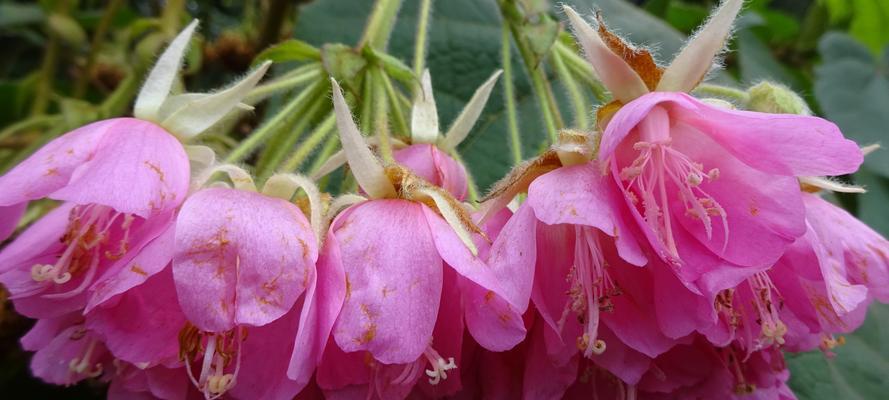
323,302
463,124
691,65
160,80
393,276
130,165
9,218
202,113
618,77
241,258
364,165
142,326
424,114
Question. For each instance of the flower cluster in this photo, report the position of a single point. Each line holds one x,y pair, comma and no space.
673,252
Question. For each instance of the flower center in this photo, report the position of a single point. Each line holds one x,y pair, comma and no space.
773,329
216,352
591,290
83,365
657,167
87,239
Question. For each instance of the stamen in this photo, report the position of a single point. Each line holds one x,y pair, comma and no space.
772,328
591,290
439,366
83,365
829,342
219,349
657,165
86,238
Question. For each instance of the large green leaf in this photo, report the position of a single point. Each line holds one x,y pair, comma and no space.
858,371
852,88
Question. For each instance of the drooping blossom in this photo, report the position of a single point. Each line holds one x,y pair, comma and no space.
120,181
698,177
398,251
245,276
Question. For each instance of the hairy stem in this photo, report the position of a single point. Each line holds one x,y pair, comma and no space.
380,24
512,123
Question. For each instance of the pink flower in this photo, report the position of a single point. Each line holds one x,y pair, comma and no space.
697,177
121,181
245,275
66,351
435,166
393,251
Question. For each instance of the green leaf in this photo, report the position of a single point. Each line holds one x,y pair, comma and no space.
14,15
858,371
872,205
870,23
853,90
290,50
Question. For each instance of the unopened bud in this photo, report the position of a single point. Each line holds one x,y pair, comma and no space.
776,99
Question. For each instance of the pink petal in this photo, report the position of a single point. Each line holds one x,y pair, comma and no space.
264,359
46,329
764,212
51,363
339,369
154,251
582,195
447,338
555,250
621,360
323,301
508,269
437,167
9,218
493,323
865,252
37,241
780,144
127,164
542,379
393,280
143,324
241,258
50,168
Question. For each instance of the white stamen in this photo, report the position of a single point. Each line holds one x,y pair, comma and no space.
439,366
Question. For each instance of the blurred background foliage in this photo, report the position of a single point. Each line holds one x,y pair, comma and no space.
67,62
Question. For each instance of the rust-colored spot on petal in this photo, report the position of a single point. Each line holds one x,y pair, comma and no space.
640,60
135,268
156,169
369,334
489,296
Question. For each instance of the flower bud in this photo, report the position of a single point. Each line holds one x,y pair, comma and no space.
777,99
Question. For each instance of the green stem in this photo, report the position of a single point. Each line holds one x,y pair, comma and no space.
512,123
367,97
578,100
725,92
381,117
30,123
96,45
46,76
551,117
291,80
288,134
264,132
171,16
305,148
422,33
380,24
327,150
392,95
583,70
